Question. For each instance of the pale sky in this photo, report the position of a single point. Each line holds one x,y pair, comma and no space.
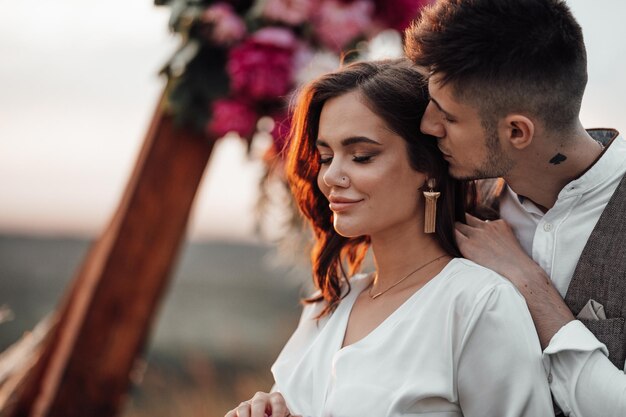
78,85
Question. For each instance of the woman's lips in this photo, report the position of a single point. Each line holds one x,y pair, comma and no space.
342,204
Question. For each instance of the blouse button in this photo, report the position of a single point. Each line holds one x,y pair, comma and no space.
547,227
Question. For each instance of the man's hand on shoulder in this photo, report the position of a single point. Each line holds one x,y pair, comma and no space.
493,245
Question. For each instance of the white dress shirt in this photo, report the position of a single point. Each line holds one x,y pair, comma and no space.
583,380
462,345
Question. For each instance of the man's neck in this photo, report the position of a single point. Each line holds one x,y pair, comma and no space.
548,167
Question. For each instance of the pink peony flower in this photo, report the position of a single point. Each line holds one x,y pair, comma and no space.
223,26
338,22
398,14
275,36
292,12
231,115
313,65
261,68
302,57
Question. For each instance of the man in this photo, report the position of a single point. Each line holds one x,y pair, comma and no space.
506,79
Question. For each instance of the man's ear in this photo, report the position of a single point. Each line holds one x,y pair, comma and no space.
519,130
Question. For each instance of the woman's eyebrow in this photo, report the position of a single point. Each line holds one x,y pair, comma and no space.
349,141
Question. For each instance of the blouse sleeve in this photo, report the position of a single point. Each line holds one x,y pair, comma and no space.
294,369
500,371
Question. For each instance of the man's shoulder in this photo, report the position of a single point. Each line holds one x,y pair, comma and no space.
603,135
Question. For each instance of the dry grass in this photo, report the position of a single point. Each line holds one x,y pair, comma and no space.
195,386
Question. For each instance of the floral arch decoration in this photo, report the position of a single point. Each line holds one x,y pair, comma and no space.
240,60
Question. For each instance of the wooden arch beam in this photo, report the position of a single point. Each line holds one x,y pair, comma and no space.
83,367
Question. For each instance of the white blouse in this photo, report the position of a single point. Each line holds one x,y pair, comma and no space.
462,345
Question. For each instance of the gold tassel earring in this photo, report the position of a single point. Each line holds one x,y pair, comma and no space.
430,206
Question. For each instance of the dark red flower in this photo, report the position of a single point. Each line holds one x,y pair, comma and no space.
261,68
231,115
398,14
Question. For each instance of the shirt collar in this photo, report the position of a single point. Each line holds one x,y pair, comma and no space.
604,168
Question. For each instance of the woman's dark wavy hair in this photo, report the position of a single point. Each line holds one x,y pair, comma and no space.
396,92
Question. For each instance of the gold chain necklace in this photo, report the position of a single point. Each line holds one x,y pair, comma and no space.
374,296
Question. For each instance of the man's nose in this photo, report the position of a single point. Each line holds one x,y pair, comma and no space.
431,125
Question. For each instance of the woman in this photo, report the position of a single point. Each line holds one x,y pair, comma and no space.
427,333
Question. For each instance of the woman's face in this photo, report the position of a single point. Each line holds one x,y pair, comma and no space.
365,171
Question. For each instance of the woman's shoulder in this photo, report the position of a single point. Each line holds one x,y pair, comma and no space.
469,279
472,290
312,323
362,278
355,283
464,268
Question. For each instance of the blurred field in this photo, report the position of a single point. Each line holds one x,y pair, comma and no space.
192,385
229,310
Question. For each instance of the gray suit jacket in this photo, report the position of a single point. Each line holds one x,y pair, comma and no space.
600,274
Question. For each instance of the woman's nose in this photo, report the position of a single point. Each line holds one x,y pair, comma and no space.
334,175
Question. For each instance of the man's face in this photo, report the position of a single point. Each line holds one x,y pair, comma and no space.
472,151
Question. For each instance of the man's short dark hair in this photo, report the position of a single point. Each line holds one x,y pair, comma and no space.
505,56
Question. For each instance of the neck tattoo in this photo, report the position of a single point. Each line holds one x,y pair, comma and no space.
378,294
557,159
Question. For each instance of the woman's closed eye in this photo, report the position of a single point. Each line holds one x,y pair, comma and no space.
362,158
358,158
324,160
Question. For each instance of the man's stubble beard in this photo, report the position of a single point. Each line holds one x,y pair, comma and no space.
496,164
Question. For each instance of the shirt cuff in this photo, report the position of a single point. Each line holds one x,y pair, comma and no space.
574,336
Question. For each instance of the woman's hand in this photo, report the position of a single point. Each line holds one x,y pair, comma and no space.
262,405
